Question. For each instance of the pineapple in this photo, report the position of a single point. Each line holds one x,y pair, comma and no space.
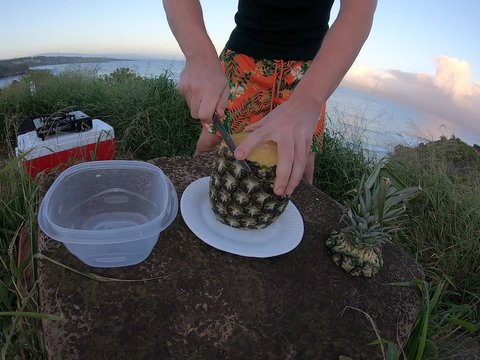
241,199
374,214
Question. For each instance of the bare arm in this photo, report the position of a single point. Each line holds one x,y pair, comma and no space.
203,82
291,125
185,18
338,52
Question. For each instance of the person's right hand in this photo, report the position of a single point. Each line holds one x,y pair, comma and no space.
205,87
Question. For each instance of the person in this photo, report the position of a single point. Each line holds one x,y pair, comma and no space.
279,67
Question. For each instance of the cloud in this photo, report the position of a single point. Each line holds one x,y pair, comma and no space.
454,78
449,99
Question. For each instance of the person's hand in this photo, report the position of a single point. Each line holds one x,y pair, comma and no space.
291,125
205,87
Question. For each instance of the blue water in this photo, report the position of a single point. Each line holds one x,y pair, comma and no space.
378,123
366,117
4,82
147,68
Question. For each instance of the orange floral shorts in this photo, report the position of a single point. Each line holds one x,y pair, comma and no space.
257,87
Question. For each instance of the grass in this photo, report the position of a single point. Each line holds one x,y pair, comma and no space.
443,234
446,222
339,167
151,120
19,311
149,116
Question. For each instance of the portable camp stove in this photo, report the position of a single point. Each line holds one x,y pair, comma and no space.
55,141
61,123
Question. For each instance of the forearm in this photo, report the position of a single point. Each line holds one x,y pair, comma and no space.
185,18
337,53
203,82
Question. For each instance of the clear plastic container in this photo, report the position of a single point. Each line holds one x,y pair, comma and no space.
109,213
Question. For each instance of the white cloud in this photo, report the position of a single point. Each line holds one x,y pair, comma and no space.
367,76
453,76
449,98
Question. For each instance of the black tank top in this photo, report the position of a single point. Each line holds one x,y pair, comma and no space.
280,29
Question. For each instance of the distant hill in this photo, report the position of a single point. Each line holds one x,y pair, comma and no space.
19,66
458,160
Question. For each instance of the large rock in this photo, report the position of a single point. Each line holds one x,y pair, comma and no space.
214,305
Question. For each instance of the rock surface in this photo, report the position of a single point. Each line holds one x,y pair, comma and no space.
208,304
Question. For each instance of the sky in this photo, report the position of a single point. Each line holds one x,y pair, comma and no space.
424,54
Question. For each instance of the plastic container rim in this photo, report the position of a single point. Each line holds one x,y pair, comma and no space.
110,236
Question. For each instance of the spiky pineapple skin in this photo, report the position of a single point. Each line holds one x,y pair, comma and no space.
241,199
355,260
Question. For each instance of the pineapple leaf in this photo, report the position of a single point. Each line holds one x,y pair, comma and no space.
393,202
400,197
388,172
382,191
363,209
374,175
347,218
394,214
371,219
409,192
356,192
368,201
374,234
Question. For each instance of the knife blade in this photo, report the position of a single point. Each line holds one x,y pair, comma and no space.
228,140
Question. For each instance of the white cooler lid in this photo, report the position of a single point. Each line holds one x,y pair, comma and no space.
32,147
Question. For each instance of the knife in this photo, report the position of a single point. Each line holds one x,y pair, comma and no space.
228,140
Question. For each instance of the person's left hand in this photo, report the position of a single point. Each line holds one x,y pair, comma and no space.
291,125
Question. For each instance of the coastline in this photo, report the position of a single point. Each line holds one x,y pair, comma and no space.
21,66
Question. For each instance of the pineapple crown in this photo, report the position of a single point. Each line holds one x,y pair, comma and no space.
377,208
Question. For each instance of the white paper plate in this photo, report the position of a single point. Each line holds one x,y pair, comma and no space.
279,238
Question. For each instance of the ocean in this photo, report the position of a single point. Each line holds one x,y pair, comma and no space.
362,117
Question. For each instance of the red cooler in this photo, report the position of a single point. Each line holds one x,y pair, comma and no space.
56,142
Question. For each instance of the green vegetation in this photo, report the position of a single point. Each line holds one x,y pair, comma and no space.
149,117
12,69
443,234
20,334
445,225
338,167
151,120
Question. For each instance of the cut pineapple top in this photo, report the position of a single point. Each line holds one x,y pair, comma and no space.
264,154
